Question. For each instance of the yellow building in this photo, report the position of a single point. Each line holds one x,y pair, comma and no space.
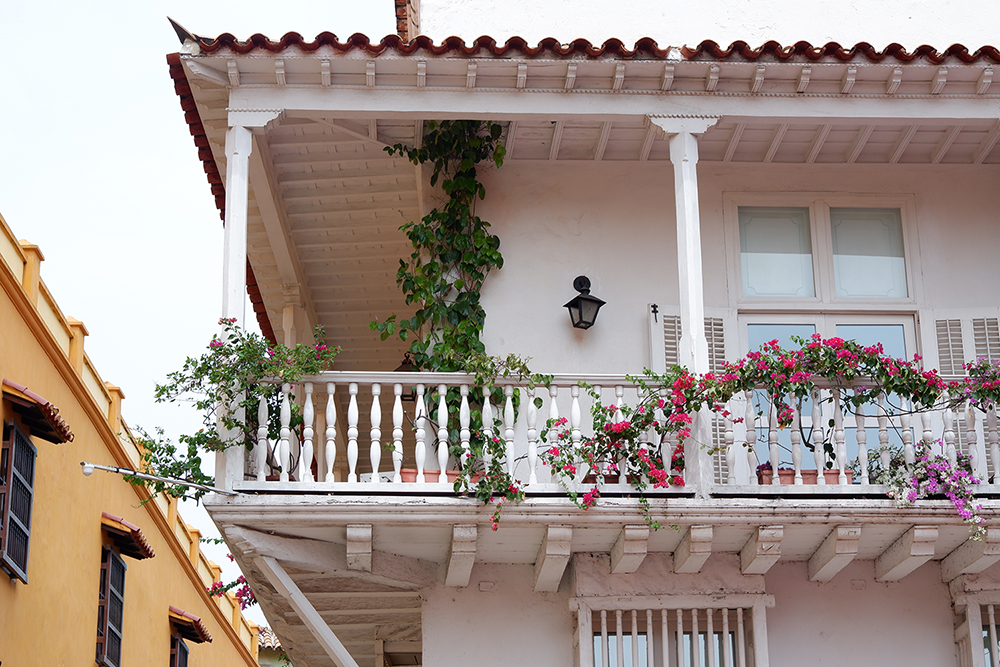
92,571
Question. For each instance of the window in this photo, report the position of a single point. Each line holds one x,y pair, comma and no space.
111,608
178,652
802,249
17,478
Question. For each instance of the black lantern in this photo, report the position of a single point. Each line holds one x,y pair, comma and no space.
583,307
407,367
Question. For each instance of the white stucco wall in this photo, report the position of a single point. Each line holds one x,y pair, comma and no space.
615,224
676,22
497,621
855,620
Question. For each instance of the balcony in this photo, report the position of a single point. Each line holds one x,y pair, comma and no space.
398,425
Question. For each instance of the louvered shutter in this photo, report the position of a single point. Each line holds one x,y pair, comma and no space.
178,652
111,609
665,335
17,475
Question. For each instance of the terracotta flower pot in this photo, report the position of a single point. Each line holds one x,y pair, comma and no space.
409,475
787,477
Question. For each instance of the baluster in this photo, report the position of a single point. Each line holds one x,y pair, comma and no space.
623,462
442,418
750,421
649,638
285,433
605,649
695,640
727,649
352,434
909,456
635,638
741,640
729,440
331,430
620,643
487,428
680,638
532,419
666,451
600,401
375,452
397,433
664,639
772,439
993,437
976,458
574,423
948,435
883,433
464,419
925,422
819,455
261,454
710,638
862,437
553,439
796,436
508,432
994,654
839,438
420,449
308,431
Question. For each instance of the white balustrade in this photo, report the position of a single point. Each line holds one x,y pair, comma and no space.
821,428
488,434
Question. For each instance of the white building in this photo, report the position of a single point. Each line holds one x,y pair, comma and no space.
668,176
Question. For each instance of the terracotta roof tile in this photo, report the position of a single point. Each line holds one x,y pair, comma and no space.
266,639
127,537
189,626
38,413
644,49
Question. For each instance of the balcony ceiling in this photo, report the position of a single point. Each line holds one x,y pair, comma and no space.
328,201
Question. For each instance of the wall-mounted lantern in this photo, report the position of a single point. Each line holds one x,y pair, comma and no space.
407,367
583,307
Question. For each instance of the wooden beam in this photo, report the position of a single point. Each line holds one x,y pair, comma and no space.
895,78
859,143
758,79
694,550
848,81
838,549
762,550
647,142
817,144
359,547
630,548
570,76
946,141
462,554
804,74
313,621
914,548
619,77
552,558
557,133
734,140
972,556
987,144
940,79
985,79
234,73
712,78
775,142
602,143
901,143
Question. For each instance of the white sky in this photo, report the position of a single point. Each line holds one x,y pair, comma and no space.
97,166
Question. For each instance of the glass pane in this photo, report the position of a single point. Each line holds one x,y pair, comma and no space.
757,335
776,251
868,257
893,342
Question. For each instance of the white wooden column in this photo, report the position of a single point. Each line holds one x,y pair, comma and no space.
229,463
693,345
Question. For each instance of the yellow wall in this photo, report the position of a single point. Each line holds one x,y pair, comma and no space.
66,536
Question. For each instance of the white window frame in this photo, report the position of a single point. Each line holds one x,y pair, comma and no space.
819,205
826,324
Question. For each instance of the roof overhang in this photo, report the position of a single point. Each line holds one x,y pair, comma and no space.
37,413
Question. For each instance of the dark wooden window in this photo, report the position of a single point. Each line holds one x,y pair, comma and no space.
17,480
178,652
111,609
